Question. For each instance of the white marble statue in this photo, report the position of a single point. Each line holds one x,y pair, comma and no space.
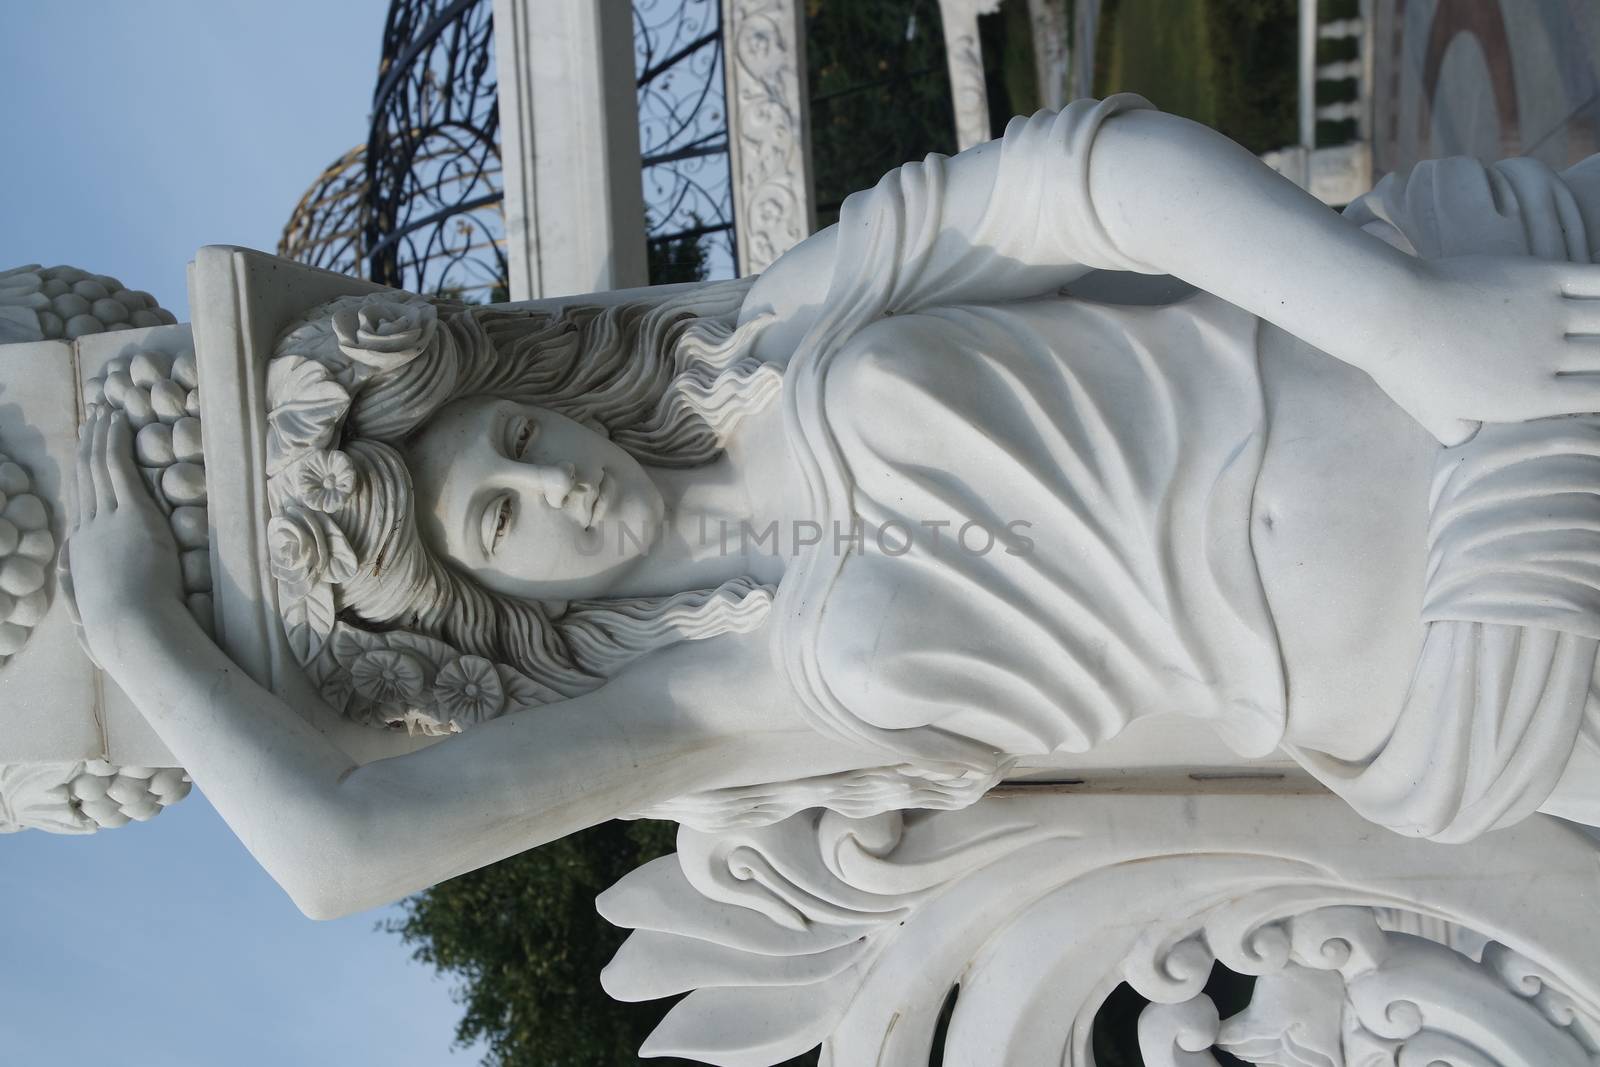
947,487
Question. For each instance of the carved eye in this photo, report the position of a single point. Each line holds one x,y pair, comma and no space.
523,431
496,521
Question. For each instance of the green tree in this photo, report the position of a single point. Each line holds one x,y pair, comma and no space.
522,939
677,259
523,942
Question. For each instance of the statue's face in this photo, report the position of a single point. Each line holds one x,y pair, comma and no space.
529,502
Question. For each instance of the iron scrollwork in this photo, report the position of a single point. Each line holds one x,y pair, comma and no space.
420,204
434,221
683,138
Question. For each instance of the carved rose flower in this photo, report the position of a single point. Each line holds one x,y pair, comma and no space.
304,547
469,691
325,480
386,331
388,676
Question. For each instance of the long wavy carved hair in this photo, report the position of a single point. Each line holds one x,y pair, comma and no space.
665,379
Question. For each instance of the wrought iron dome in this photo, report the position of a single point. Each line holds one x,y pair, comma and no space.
420,204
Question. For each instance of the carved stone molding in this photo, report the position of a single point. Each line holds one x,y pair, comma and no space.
1030,911
85,796
964,55
768,145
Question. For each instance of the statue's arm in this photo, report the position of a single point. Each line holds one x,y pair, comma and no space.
1453,341
340,837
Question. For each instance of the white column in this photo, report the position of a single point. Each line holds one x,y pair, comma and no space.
1308,74
1051,56
569,145
964,55
1085,30
769,148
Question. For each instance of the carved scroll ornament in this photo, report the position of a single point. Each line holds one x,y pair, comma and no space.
1028,912
964,57
767,129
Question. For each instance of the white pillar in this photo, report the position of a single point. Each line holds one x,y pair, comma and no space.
964,55
1308,74
569,144
1051,56
769,147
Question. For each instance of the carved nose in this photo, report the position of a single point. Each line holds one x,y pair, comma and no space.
556,481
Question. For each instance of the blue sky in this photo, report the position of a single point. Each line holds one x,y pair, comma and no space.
134,133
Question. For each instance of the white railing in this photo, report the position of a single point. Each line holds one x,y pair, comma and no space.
1334,173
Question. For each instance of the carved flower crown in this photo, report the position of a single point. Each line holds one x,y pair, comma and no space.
393,678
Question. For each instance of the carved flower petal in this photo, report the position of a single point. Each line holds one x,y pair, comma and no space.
468,691
386,675
297,547
386,331
325,480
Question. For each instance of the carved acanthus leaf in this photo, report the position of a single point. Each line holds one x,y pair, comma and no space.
856,931
1293,1020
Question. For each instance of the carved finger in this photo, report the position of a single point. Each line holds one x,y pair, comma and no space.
105,498
1579,392
1582,285
1581,319
85,479
124,475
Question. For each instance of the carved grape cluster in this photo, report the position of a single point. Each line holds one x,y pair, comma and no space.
70,303
26,550
84,796
111,796
161,397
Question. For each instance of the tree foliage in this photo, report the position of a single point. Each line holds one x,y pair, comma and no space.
525,946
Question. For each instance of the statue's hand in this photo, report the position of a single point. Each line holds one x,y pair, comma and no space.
1497,339
124,561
